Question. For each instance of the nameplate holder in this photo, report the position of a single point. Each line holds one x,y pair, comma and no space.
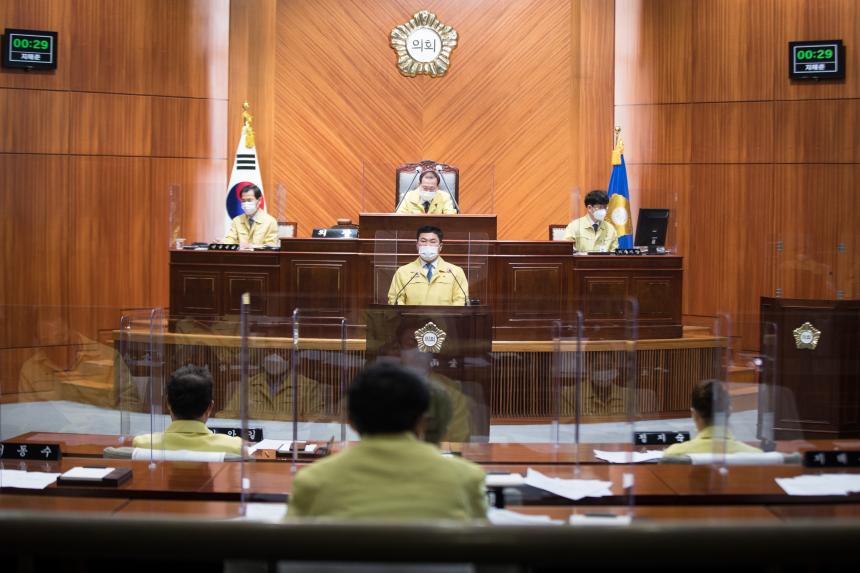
254,434
18,451
335,233
660,438
222,247
831,459
306,450
114,479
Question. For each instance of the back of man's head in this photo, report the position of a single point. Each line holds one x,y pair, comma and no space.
387,399
189,392
708,398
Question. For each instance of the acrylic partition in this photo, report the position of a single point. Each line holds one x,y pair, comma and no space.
77,382
465,188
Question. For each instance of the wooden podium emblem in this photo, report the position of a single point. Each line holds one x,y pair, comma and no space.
423,45
430,338
806,336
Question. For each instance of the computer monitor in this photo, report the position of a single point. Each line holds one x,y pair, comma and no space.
651,228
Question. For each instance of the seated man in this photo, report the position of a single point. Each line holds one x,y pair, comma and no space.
429,279
427,198
189,400
592,232
389,473
254,227
708,397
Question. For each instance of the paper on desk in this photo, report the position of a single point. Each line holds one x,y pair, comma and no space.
82,473
269,512
146,454
573,489
504,480
506,517
822,484
26,480
268,444
625,458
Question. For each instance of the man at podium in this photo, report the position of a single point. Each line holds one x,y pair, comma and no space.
429,279
427,198
590,232
253,227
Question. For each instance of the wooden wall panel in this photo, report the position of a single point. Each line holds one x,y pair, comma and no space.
653,51
816,20
655,133
664,187
110,124
733,132
54,15
817,131
503,113
37,121
847,207
733,47
189,127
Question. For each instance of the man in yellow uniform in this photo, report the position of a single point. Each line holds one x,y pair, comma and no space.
254,228
708,397
427,198
189,399
591,232
429,280
389,474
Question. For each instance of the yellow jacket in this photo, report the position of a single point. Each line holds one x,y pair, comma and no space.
264,405
704,443
392,476
582,233
440,205
442,289
189,435
264,231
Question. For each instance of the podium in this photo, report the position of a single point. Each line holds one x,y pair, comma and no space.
451,345
480,226
811,381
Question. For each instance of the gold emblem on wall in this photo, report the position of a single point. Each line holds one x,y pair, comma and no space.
423,45
806,336
430,338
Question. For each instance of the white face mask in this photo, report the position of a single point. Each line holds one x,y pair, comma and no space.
426,195
428,252
599,215
249,207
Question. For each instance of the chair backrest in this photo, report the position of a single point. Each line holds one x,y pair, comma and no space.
556,232
406,178
287,229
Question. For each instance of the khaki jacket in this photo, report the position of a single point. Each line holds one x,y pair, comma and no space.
264,231
189,435
440,205
704,443
441,289
586,239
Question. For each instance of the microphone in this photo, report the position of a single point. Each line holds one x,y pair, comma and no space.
439,167
412,278
426,206
462,290
408,187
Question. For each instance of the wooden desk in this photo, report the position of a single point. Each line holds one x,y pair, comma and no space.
389,225
699,514
528,284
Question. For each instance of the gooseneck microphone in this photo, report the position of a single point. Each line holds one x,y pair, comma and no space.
412,278
462,290
408,188
439,168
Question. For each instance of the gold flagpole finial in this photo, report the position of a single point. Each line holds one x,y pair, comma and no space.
618,146
247,120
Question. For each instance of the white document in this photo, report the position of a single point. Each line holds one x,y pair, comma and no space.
26,480
739,459
504,480
626,458
600,520
573,489
507,517
89,474
145,454
268,512
822,484
267,445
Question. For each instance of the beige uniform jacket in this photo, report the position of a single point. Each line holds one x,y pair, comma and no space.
390,476
264,231
581,231
189,435
704,443
440,205
441,289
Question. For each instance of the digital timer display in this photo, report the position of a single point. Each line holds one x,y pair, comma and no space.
816,60
30,49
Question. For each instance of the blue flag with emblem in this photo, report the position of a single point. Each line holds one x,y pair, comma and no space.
619,199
